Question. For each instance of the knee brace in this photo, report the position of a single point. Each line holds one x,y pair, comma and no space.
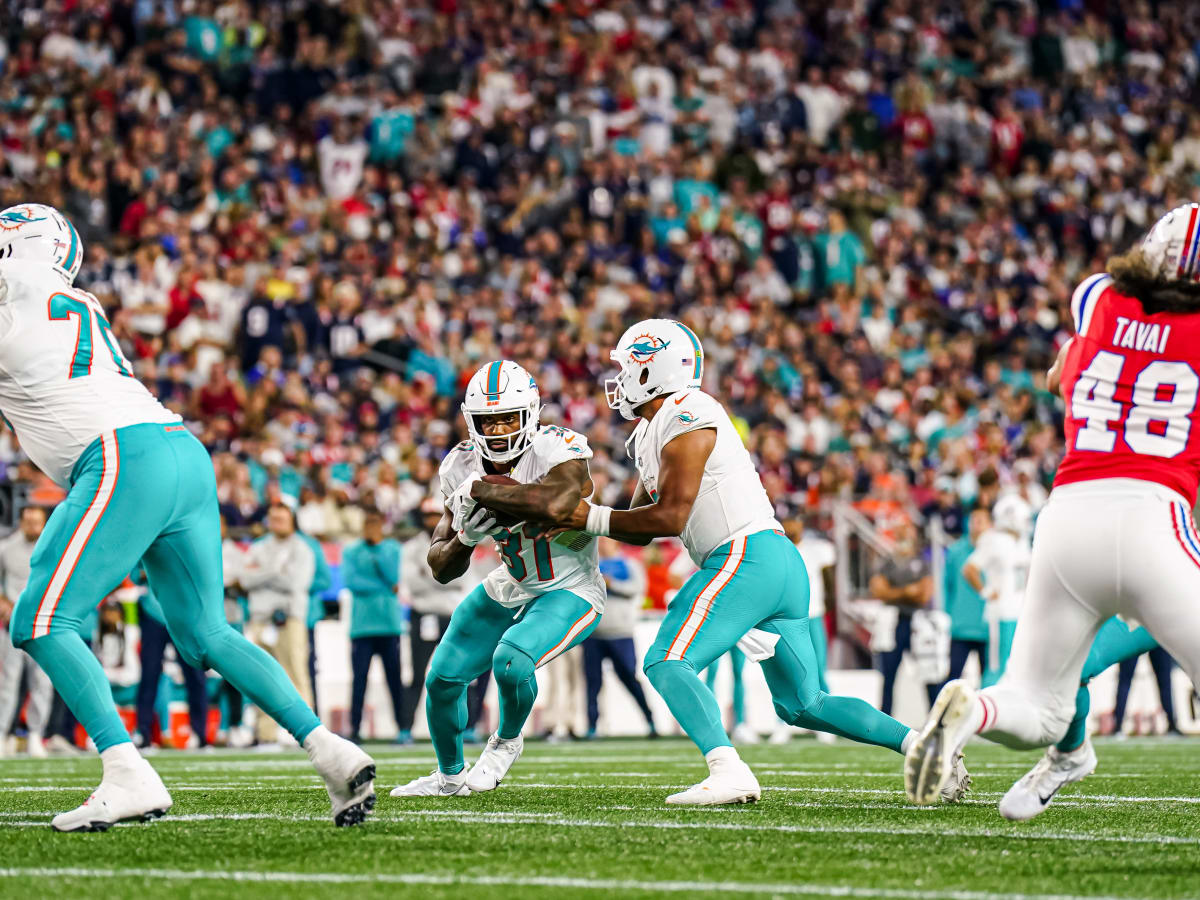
511,665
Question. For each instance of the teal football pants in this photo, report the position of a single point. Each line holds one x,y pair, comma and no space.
512,643
141,493
753,582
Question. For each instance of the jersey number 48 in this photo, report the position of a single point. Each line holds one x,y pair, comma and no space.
1159,420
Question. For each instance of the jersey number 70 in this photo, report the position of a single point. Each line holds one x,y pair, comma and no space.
1164,394
90,319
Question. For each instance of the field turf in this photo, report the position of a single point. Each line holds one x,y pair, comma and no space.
587,819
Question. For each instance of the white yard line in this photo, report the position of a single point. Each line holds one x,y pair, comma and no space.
468,817
598,884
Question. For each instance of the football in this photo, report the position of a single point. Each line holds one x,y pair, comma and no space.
503,519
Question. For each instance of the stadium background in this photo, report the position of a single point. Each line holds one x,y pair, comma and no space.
311,221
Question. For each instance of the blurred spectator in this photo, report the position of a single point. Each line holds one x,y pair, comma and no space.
321,581
1161,664
964,604
625,579
154,642
276,576
371,570
903,581
233,557
17,668
432,603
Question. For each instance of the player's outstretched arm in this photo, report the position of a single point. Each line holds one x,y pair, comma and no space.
1054,376
448,557
679,477
550,498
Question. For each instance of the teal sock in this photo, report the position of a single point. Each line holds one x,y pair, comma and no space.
1077,730
516,686
851,718
446,713
78,676
257,675
690,702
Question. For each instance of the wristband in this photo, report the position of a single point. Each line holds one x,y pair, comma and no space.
597,520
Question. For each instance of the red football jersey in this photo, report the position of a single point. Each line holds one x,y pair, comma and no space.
1131,383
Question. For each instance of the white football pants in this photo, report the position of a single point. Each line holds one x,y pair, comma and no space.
1116,546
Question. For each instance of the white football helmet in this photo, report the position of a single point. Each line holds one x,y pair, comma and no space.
1173,245
501,387
656,357
41,234
1013,513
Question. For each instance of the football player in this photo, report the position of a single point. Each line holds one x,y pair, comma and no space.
697,481
1117,535
139,487
545,598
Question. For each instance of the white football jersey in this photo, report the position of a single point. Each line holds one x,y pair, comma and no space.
63,378
732,501
533,566
1003,560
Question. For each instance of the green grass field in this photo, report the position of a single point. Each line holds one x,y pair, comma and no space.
588,820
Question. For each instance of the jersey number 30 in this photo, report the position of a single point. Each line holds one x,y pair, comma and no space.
1159,420
89,317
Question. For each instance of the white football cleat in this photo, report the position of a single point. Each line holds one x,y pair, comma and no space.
436,784
728,782
955,790
348,772
929,764
1033,793
494,762
125,793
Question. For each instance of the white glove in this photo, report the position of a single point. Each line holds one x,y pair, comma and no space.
479,524
461,504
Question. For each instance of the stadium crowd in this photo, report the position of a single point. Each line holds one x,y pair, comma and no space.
310,222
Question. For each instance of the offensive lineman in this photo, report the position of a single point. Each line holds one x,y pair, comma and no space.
1117,535
698,481
545,598
140,487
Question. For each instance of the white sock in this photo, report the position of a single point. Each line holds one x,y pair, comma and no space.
121,756
721,756
317,737
908,739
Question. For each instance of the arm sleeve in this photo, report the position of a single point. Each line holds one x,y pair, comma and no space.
1085,300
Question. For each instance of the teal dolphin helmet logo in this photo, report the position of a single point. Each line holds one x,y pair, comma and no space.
17,216
646,347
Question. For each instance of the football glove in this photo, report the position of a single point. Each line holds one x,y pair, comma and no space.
479,524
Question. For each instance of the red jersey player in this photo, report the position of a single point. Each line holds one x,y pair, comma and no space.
1117,536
